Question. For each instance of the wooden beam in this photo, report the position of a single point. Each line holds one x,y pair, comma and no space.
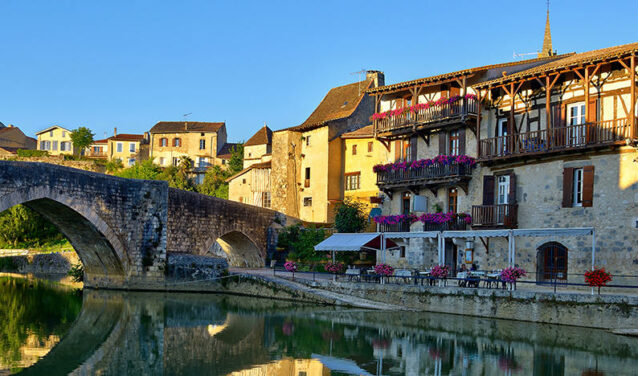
632,115
510,125
587,79
478,123
548,114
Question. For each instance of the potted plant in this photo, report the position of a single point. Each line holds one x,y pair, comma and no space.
291,266
511,274
597,278
440,272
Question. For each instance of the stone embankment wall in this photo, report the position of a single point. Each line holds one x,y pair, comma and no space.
578,309
87,165
45,263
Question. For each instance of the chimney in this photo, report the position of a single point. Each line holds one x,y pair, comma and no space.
114,131
147,138
377,76
185,125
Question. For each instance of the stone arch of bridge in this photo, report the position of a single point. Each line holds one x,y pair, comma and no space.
99,249
238,248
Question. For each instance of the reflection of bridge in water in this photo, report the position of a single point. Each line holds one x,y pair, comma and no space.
153,333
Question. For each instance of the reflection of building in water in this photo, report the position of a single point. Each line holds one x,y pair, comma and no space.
287,367
33,349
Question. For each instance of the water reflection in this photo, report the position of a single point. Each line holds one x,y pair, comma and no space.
187,334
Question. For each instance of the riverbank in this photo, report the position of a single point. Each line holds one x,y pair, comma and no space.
25,261
566,308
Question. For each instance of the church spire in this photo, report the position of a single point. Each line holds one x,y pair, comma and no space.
547,39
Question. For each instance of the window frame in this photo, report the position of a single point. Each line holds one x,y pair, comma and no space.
370,146
119,147
132,147
352,181
307,201
454,142
578,186
202,144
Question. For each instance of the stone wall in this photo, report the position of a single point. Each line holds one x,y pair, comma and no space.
86,165
45,263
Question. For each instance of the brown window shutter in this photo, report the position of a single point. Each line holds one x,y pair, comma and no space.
397,150
488,190
512,192
568,187
592,111
462,141
442,143
588,186
413,148
454,91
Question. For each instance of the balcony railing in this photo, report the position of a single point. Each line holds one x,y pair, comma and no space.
500,215
570,137
457,224
434,173
446,112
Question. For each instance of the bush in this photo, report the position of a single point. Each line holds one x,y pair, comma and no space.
32,153
77,272
350,216
300,242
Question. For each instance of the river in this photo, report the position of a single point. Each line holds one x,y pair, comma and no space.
48,329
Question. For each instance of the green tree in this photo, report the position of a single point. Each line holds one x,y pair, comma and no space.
300,242
236,162
81,139
214,183
21,225
350,216
145,170
177,178
114,166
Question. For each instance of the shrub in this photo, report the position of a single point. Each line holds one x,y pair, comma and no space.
290,266
32,153
76,272
350,216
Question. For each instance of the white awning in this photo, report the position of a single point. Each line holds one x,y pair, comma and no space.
544,232
353,242
340,365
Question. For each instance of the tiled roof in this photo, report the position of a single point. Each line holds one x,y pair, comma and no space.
127,137
365,132
53,127
185,126
263,136
105,141
445,76
256,165
577,59
226,151
339,103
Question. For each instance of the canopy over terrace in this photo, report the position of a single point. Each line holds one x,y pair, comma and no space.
512,234
355,242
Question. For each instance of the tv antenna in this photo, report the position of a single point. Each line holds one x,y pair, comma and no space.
187,115
360,73
517,56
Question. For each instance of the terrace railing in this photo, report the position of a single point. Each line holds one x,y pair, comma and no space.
444,112
556,139
432,172
500,215
457,224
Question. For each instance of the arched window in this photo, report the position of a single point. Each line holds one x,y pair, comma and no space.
551,262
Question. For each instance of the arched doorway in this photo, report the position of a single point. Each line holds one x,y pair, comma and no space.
551,262
239,250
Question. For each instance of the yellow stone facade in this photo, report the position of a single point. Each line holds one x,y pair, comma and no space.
129,150
55,140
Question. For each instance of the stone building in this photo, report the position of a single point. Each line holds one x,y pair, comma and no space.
307,161
55,140
564,157
128,148
252,184
203,142
12,139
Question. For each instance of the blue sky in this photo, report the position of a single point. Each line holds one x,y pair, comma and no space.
129,64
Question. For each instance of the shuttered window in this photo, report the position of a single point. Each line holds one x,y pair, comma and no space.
578,186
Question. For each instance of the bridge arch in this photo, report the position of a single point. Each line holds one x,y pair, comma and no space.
238,248
100,250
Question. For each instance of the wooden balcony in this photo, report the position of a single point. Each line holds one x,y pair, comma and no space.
428,176
495,216
556,140
458,224
434,117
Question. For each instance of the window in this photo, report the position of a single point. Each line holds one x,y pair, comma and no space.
265,200
307,201
502,195
243,181
578,187
175,161
120,147
223,161
405,203
453,200
307,140
202,162
163,142
402,252
501,134
43,145
199,179
55,145
131,161
177,142
353,180
51,133
161,161
202,144
307,178
354,149
63,134
131,147
65,146
576,123
454,146
370,147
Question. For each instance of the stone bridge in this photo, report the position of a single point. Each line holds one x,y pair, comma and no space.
125,229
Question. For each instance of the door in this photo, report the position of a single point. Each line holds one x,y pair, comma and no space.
450,256
405,203
552,260
501,137
576,124
502,198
